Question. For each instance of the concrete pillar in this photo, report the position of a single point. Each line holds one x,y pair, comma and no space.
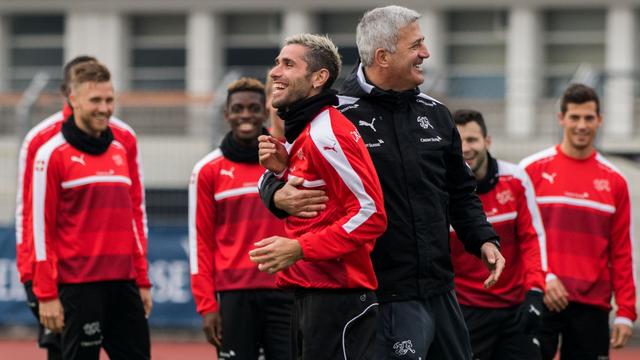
103,35
297,21
433,25
619,63
5,82
205,52
523,71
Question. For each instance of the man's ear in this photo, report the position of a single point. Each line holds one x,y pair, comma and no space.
381,57
320,77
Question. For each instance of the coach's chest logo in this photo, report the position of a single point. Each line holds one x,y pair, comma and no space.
424,122
403,347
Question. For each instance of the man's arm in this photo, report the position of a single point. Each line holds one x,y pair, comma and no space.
202,215
621,259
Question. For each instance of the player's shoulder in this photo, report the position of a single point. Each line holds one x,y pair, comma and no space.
211,159
543,155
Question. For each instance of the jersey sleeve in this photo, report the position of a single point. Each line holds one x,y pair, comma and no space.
531,235
621,257
45,193
136,193
202,215
351,178
24,233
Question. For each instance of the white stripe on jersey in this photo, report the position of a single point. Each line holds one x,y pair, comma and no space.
502,217
39,190
95,179
193,205
235,192
536,219
576,202
322,135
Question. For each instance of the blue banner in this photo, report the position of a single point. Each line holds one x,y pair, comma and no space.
168,271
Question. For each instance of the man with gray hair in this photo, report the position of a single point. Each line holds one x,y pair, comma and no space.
427,187
326,259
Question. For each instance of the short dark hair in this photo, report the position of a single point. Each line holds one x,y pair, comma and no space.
66,71
579,94
246,84
89,72
465,116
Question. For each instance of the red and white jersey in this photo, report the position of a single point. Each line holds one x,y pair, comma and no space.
587,216
35,138
329,154
511,209
83,222
226,219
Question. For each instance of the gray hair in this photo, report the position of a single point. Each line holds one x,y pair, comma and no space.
322,54
378,29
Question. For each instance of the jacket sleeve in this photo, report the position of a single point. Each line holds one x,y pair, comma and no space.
465,209
24,233
202,215
45,193
531,235
352,181
621,257
136,192
267,186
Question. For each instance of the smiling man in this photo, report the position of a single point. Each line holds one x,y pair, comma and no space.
415,148
88,252
584,202
326,259
240,306
504,319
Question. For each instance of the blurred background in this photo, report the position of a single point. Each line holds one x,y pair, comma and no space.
171,62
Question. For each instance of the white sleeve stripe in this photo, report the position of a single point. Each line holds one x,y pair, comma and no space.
39,190
193,206
22,159
534,211
322,135
309,183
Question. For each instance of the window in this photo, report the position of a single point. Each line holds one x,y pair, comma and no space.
36,44
574,48
158,53
476,54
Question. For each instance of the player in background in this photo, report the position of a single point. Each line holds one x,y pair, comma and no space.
584,202
503,319
240,306
37,136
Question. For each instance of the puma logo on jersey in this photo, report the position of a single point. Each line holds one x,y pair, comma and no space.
78,159
532,309
333,147
229,173
551,178
364,123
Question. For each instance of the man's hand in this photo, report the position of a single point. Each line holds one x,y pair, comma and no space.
272,154
300,203
275,253
494,261
52,315
529,315
620,335
556,297
212,328
147,303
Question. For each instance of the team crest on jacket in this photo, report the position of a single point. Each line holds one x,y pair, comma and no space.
504,197
403,347
117,159
300,154
356,135
601,185
424,122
